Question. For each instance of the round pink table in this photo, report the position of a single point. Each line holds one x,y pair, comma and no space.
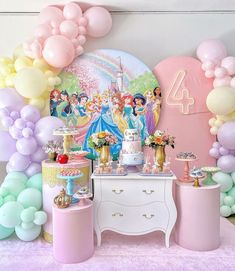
73,240
198,216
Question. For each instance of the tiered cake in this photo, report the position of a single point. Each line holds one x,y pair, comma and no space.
132,154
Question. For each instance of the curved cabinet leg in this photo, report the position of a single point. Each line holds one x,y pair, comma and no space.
167,238
98,236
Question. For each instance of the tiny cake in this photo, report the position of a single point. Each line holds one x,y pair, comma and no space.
131,148
186,155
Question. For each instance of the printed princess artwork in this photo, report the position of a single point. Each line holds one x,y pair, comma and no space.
107,90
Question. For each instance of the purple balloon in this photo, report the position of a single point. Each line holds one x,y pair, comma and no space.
20,124
7,122
33,169
223,151
15,115
232,152
30,125
15,132
26,146
216,145
19,162
27,132
39,155
226,163
226,135
4,112
214,153
7,146
44,128
9,97
30,113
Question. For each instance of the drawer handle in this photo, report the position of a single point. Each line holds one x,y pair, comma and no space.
117,214
119,191
148,216
148,192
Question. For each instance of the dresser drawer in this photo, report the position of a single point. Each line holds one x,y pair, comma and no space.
135,220
132,192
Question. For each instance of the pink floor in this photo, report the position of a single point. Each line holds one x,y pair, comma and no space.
119,252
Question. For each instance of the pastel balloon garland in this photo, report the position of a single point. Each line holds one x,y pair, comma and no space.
26,80
221,102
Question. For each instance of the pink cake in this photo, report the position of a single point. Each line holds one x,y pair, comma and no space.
131,146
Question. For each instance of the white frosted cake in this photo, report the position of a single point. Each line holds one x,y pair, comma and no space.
131,148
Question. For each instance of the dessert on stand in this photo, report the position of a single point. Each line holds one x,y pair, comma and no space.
196,174
209,171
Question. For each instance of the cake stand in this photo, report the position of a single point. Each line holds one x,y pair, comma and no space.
196,174
82,195
67,133
186,178
209,171
70,185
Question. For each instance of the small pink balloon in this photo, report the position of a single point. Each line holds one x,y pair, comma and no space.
58,51
26,146
223,151
75,42
7,122
220,72
51,15
69,29
222,82
30,113
19,162
33,169
99,21
208,65
212,50
83,21
39,155
229,64
42,31
15,132
81,40
55,31
27,132
214,153
79,50
209,74
72,11
20,123
82,30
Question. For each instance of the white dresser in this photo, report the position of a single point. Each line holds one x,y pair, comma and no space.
133,205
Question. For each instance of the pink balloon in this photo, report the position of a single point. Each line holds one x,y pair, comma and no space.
222,82
226,135
226,163
15,132
229,64
10,98
44,128
30,113
51,15
81,39
19,162
232,83
72,11
209,74
214,153
99,21
58,51
7,146
26,146
33,169
42,31
211,50
208,65
69,29
79,50
220,72
83,21
39,155
82,30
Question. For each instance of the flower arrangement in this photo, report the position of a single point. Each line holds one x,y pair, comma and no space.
160,138
104,138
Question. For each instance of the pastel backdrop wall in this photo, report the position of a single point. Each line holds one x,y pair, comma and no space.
150,30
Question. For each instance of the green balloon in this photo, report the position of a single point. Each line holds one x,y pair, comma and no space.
4,191
27,214
1,201
40,218
10,214
30,197
35,181
5,232
14,186
9,198
225,211
231,192
229,201
17,175
233,209
29,234
224,179
27,226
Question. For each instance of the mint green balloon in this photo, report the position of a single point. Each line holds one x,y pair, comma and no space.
35,181
9,198
222,196
233,209
40,218
4,191
14,186
10,214
27,226
1,201
17,175
224,179
29,234
228,201
27,214
30,197
233,176
225,211
5,232
231,192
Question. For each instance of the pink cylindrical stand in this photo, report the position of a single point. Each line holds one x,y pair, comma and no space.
198,216
73,240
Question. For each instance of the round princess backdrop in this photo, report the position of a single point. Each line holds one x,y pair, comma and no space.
107,90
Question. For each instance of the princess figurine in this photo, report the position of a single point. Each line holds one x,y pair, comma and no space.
154,169
166,167
120,169
146,169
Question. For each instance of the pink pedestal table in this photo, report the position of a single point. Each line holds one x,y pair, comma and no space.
73,239
198,221
52,186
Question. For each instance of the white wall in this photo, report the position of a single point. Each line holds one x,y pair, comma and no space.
150,29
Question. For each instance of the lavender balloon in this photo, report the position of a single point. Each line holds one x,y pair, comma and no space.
30,113
20,124
27,132
223,151
226,135
26,146
39,155
7,146
33,169
15,132
226,163
214,153
7,122
9,97
19,162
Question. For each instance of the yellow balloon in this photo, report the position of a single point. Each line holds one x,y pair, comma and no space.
221,100
6,60
18,52
9,80
30,82
22,62
2,82
228,117
38,102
